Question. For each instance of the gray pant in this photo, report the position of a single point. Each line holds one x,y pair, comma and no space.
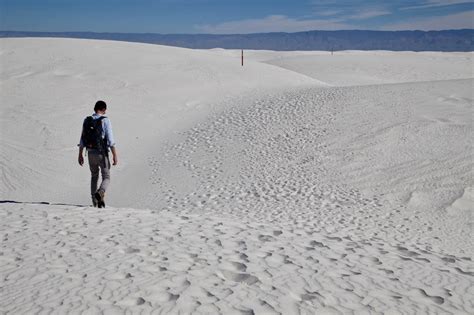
99,161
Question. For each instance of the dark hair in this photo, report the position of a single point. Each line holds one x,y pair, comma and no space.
100,105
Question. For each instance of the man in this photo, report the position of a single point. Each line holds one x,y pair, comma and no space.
97,138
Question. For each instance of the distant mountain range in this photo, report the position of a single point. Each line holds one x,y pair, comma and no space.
449,40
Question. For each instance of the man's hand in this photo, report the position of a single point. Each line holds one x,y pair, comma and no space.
80,160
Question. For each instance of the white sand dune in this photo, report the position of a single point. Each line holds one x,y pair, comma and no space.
293,185
155,91
349,68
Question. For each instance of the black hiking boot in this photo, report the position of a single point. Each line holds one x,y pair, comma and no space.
99,195
95,203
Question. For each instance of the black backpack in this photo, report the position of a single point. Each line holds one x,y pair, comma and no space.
92,134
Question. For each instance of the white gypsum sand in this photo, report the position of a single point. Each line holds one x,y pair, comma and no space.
288,185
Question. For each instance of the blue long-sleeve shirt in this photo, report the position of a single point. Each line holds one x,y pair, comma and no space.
106,131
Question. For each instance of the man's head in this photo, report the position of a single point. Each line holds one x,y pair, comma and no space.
100,107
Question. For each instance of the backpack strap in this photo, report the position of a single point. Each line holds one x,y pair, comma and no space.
105,137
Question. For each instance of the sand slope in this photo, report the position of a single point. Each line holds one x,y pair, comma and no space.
49,85
363,159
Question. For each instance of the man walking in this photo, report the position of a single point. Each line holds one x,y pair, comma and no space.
97,138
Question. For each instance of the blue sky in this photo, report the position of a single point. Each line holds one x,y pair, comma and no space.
233,16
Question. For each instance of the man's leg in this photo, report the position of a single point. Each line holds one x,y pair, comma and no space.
94,162
105,170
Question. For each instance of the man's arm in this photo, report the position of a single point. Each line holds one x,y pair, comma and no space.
110,140
109,135
80,158
114,156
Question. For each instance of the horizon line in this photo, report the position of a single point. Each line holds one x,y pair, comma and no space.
233,34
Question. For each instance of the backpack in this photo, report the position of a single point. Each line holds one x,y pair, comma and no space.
92,134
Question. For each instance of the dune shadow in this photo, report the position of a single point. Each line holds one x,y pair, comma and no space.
42,203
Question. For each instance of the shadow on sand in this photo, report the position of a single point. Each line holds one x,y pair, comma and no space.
42,203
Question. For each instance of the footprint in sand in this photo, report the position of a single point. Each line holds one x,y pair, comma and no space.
130,301
266,238
131,250
436,299
239,277
233,266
